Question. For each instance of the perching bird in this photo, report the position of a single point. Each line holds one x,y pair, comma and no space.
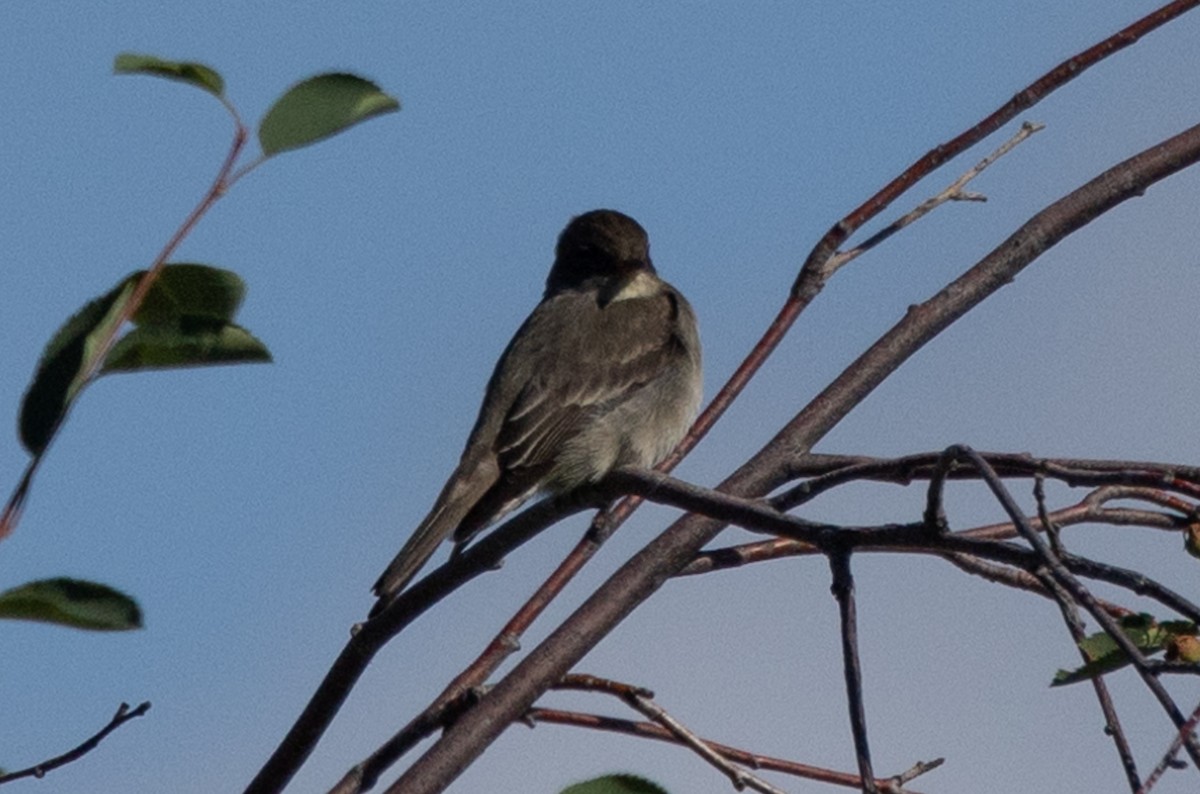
605,372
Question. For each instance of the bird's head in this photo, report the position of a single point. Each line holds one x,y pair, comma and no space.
604,250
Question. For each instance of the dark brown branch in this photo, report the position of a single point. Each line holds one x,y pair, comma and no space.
1112,723
831,471
124,714
843,591
757,515
1061,582
372,635
1070,613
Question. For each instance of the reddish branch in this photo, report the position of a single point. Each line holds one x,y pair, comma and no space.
649,730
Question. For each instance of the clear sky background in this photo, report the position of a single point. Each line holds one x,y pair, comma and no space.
250,508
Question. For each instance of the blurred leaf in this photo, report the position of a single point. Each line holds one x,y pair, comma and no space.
71,602
191,290
193,344
1183,648
1191,538
197,74
67,358
185,322
1179,627
319,107
616,784
1104,655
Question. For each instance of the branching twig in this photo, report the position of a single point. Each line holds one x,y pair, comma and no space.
649,730
831,471
953,192
1168,758
1057,577
124,714
1112,723
640,700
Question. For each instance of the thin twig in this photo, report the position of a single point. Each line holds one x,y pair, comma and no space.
953,192
843,591
1055,571
124,714
1024,99
1112,723
1168,758
740,778
650,730
831,471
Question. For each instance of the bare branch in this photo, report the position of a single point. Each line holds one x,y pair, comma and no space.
1168,758
1063,584
843,591
831,471
1112,723
650,730
124,714
953,192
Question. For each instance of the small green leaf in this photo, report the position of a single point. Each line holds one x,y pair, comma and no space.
191,290
66,360
197,74
185,321
319,107
196,342
616,784
1104,655
71,602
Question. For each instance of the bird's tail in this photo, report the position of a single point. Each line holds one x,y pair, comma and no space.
424,541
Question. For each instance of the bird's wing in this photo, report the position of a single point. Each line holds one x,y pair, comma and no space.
572,383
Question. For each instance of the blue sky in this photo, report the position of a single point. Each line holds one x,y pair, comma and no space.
250,508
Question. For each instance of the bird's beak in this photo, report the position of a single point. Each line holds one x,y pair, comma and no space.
634,278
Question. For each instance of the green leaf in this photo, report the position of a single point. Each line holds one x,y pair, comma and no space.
67,358
616,784
191,290
319,107
71,602
192,344
1104,655
185,321
197,74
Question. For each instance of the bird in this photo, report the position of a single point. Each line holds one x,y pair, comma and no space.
605,372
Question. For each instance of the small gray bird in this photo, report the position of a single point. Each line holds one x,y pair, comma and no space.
605,372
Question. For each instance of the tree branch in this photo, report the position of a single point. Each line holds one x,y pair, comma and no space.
124,714
843,591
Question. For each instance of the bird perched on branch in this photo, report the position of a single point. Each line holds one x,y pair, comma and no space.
605,372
